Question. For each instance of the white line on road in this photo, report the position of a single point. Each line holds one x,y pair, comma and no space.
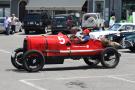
26,81
76,77
4,51
123,79
32,85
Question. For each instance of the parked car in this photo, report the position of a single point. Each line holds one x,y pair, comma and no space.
93,21
53,49
117,28
129,42
119,38
2,29
36,22
63,23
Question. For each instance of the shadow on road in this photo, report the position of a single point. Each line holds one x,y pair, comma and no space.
72,68
127,52
59,69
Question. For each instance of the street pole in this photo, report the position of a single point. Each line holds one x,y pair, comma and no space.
88,5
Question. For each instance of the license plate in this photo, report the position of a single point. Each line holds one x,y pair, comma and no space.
31,23
59,26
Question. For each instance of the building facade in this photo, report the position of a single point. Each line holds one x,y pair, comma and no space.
106,8
121,8
4,8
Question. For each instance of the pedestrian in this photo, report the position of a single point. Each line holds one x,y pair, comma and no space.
7,23
112,21
13,23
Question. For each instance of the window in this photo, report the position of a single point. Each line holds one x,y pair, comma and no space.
129,27
4,12
7,11
1,12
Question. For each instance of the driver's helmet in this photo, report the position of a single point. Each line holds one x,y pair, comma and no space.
86,31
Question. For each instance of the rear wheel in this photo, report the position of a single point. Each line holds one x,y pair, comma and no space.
33,61
110,57
16,58
91,61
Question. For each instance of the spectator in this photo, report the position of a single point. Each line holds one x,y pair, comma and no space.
112,21
13,23
7,23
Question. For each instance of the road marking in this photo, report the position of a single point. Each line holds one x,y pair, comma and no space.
32,85
123,79
77,77
27,81
4,51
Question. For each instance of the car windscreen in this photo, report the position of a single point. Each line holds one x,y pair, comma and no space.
32,17
115,27
87,16
59,20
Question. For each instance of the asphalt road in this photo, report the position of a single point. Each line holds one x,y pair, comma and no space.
72,75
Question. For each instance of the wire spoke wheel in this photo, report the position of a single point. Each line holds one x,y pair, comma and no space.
33,61
110,57
92,62
16,58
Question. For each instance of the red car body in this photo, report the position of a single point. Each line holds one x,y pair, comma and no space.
58,45
53,49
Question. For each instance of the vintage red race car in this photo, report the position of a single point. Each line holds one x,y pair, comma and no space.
53,49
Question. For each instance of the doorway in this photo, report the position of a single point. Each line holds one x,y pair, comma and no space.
99,6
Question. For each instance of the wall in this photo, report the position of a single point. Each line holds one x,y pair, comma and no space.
14,7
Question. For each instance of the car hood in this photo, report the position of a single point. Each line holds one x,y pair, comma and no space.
101,33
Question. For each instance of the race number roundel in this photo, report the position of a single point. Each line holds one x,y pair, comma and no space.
61,40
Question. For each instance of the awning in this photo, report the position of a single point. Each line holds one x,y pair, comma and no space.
55,4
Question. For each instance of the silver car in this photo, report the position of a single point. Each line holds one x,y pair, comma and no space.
2,29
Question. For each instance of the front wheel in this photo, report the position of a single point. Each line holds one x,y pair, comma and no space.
110,58
33,61
16,58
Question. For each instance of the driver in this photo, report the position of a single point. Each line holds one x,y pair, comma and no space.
85,37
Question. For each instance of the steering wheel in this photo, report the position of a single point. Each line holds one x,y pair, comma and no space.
75,39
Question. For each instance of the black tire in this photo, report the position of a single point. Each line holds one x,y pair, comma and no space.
110,57
92,62
132,49
33,61
16,58
26,31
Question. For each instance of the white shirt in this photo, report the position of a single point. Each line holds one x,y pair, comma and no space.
13,20
7,22
111,22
